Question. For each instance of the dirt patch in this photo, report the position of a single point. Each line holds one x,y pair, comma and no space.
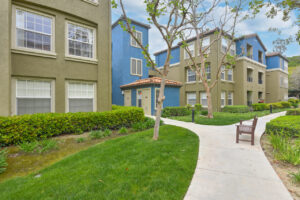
283,169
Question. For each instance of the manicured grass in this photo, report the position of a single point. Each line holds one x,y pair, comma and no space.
129,167
223,118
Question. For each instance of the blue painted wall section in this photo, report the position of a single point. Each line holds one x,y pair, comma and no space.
273,62
241,48
160,58
122,52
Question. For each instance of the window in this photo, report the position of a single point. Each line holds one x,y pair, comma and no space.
232,49
81,41
249,51
33,96
136,67
260,57
260,77
224,45
223,94
191,48
34,31
139,36
230,98
208,72
260,97
81,96
286,65
223,72
286,83
191,98
191,76
230,75
203,99
205,44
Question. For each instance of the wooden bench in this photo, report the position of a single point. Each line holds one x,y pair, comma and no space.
246,129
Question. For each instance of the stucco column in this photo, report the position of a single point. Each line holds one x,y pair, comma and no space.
5,58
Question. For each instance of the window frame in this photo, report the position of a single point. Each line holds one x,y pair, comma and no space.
223,99
67,94
230,72
187,76
207,66
203,47
74,57
32,51
133,40
136,74
187,97
223,73
224,39
14,104
231,94
205,95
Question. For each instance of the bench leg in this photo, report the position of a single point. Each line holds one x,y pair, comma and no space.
252,139
237,134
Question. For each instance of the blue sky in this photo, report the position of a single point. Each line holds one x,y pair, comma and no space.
136,10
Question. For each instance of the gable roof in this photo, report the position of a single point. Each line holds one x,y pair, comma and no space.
122,18
276,54
251,36
151,81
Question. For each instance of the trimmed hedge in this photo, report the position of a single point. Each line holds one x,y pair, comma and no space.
175,111
260,106
18,129
236,109
294,102
285,104
293,112
286,125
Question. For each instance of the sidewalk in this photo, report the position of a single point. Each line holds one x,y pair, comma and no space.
229,171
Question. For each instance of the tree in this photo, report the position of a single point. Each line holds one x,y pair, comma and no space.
201,19
175,13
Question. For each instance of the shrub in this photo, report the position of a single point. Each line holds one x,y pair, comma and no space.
26,128
47,145
204,112
38,146
98,134
198,107
293,112
275,105
294,102
145,124
296,177
107,132
236,109
285,104
175,111
123,130
80,140
260,106
3,164
287,125
29,147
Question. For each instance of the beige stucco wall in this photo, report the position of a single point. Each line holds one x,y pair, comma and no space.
59,68
275,92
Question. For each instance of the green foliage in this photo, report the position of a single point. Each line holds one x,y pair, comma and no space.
38,146
293,112
294,102
189,107
288,125
284,150
144,124
80,140
294,61
260,106
27,128
3,164
198,107
123,130
107,132
236,109
275,105
296,177
204,112
285,104
175,111
98,134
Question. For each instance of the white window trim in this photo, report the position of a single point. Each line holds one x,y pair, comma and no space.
203,47
187,77
132,39
136,69
30,51
232,95
92,2
185,54
80,58
187,97
222,106
67,94
232,80
204,106
223,71
14,105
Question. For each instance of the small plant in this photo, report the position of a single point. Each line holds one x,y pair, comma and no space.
139,126
98,134
47,145
123,130
107,132
3,164
80,140
204,112
296,177
29,147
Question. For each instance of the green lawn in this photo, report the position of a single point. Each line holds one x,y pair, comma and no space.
129,167
223,118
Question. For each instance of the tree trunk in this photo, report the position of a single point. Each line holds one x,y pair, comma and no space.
209,105
161,99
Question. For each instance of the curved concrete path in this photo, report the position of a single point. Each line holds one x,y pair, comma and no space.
229,171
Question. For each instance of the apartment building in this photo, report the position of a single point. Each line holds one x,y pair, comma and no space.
131,84
253,78
55,56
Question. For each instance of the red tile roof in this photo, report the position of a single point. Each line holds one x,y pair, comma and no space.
152,81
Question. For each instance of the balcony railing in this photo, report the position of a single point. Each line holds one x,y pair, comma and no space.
250,79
